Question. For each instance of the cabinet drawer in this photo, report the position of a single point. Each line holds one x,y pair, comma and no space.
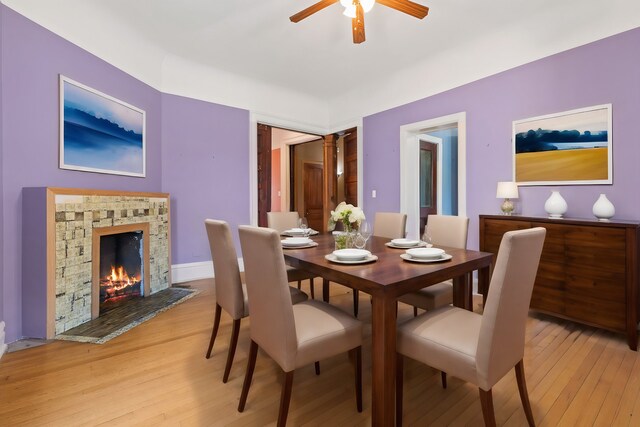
548,300
595,311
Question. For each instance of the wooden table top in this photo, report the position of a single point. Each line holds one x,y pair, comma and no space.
390,274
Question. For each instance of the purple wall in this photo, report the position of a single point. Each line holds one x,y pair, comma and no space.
33,58
607,71
205,163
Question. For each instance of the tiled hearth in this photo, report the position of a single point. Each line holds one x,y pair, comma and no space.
63,220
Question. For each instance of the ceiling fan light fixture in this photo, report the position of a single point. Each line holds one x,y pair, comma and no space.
367,5
346,3
350,11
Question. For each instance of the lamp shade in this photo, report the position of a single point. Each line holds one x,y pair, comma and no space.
507,190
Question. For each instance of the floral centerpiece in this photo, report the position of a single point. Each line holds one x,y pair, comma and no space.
350,216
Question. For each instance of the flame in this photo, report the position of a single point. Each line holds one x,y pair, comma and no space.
118,280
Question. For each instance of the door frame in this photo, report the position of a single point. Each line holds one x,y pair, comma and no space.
410,167
255,118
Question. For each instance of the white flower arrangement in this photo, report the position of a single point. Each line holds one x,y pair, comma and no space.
350,216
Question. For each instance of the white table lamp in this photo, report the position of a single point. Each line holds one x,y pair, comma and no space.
507,191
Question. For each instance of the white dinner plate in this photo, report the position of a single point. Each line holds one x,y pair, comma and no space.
333,258
351,254
419,245
294,232
296,241
405,243
444,257
308,245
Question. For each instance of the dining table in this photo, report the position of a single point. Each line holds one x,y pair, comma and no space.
385,279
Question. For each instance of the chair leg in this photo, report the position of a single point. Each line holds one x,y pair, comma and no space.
356,300
443,377
251,364
299,284
317,366
415,311
285,398
325,290
356,355
399,387
486,400
214,332
312,288
524,396
232,349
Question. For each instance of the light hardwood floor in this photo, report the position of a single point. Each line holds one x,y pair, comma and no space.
156,374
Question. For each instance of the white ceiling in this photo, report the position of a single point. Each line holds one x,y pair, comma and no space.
253,41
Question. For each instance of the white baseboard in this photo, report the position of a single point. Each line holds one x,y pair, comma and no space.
195,271
3,346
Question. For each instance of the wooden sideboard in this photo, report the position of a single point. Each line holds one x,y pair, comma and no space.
588,270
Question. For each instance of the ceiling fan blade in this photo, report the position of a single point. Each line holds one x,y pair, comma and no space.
311,10
406,6
357,25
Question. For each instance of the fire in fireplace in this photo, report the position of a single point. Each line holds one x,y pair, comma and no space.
121,268
118,284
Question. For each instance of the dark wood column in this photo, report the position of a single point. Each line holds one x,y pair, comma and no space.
330,177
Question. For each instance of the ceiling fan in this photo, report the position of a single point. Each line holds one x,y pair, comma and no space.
355,9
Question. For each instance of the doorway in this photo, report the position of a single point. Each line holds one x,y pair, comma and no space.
449,133
281,197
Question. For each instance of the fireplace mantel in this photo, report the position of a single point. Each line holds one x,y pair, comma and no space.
57,229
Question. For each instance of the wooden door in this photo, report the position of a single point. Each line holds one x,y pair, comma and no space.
428,181
264,173
313,190
351,167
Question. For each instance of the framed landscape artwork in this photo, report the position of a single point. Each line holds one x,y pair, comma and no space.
568,148
99,133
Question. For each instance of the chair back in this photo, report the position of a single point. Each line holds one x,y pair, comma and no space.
229,293
391,225
272,322
501,340
281,221
448,230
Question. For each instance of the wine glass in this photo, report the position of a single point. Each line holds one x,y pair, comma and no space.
365,230
426,237
303,225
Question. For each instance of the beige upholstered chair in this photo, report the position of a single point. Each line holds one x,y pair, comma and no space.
391,225
445,230
282,221
231,294
293,335
476,348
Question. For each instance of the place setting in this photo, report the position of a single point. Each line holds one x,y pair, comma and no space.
298,243
425,255
351,256
302,230
407,243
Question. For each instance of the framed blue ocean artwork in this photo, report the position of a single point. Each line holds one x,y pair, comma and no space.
99,133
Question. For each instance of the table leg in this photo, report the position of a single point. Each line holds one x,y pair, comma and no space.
484,277
383,361
325,290
462,291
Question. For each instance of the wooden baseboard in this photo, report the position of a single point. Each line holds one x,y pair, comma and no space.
195,271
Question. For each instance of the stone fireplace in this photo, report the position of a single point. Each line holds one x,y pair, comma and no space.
63,233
